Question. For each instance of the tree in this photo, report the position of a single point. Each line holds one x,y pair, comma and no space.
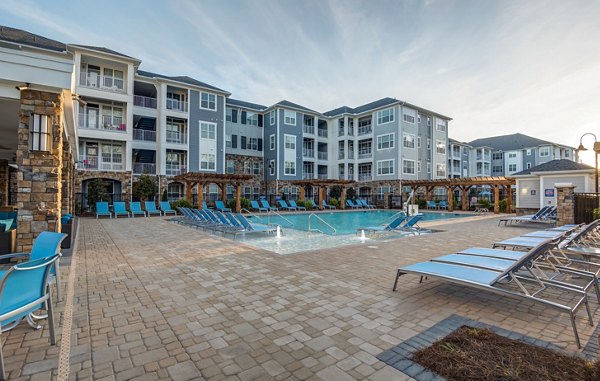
165,196
145,187
96,192
335,192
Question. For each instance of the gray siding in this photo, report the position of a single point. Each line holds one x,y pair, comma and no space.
295,130
269,129
249,131
196,115
526,199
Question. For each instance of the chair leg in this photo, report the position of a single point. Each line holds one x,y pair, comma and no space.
57,275
396,282
575,329
51,319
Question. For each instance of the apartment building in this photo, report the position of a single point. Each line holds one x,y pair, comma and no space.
503,155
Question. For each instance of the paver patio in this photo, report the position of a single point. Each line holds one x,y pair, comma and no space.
156,300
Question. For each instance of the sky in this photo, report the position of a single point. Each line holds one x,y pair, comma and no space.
494,67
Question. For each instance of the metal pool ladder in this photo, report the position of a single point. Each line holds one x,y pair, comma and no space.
250,213
277,214
322,220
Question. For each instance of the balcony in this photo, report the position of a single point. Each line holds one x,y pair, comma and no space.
365,177
351,154
175,169
308,129
149,168
351,131
341,131
367,154
144,135
363,130
322,155
102,82
142,101
103,163
308,152
322,176
308,175
174,104
322,132
106,122
176,137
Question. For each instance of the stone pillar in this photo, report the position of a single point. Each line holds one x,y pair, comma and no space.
238,198
4,182
343,198
67,178
565,204
39,179
496,199
450,199
386,200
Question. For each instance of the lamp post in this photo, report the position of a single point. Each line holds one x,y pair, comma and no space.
596,151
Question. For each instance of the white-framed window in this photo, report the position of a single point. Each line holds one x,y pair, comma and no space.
272,117
428,167
418,118
208,101
289,117
290,141
419,166
40,133
441,126
252,144
512,155
441,170
408,140
385,141
428,144
544,151
252,119
385,167
528,165
528,151
385,116
272,142
440,147
208,130
256,168
408,167
228,141
418,142
512,168
497,169
208,161
497,156
289,168
230,167
272,167
247,168
408,118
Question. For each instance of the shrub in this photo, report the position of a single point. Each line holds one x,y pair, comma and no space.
502,205
301,203
145,187
485,203
244,203
164,196
334,202
96,192
181,203
308,204
335,192
596,213
421,202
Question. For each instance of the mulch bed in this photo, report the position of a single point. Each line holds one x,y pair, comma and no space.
479,354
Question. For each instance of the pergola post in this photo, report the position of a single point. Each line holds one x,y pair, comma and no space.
224,193
496,199
450,198
238,198
508,198
343,198
464,193
428,193
302,195
188,191
200,196
321,197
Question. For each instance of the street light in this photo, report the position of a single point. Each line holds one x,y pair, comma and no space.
596,151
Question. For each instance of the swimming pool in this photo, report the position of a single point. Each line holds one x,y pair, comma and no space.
342,222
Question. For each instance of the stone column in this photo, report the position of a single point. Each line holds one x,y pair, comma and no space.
565,204
67,178
4,182
39,179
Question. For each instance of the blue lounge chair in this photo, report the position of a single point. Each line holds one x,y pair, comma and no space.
283,205
151,208
542,215
327,206
136,209
365,204
102,209
257,207
442,205
221,207
351,204
23,290
166,208
294,205
412,223
394,224
266,205
204,206
254,228
431,205
120,210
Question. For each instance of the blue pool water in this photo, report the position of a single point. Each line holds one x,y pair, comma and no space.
343,222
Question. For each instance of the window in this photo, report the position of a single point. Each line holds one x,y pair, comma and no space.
385,116
497,169
567,153
408,140
228,114
440,146
252,144
408,118
528,165
208,161
230,167
272,117
528,152
256,168
428,167
272,167
272,142
228,141
208,101
290,168
290,142
419,118
512,168
512,155
428,144
544,151
441,126
385,167
252,119
40,133
497,156
246,168
385,141
418,142
208,130
289,117
408,167
441,170
419,166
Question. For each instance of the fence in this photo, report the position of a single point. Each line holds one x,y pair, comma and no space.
585,203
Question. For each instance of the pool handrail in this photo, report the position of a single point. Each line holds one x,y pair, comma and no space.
384,222
277,214
250,213
322,220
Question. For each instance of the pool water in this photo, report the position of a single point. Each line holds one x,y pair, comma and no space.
342,222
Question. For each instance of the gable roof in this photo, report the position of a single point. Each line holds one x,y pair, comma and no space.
556,166
510,142
19,36
253,106
183,79
362,108
285,103
339,111
103,50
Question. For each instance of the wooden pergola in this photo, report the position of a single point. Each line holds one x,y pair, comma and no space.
322,184
221,180
464,184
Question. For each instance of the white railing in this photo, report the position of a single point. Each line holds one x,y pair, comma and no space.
341,131
102,82
322,132
322,176
144,135
142,101
105,163
308,129
321,220
149,168
109,123
363,130
308,175
365,154
322,155
176,137
341,155
365,177
350,154
175,169
174,104
351,131
307,152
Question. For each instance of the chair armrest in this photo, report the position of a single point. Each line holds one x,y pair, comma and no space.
14,255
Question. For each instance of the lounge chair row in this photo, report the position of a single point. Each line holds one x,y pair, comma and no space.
547,214
438,205
360,204
218,222
564,260
401,223
291,205
119,209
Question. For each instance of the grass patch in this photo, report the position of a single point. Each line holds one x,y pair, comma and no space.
479,354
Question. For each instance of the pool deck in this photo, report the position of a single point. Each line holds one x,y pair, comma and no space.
156,300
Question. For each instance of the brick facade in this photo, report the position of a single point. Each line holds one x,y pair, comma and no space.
565,204
4,182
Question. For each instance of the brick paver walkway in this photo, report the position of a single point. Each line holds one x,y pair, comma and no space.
155,300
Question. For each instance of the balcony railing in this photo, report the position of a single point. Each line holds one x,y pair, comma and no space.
351,131
144,135
109,123
350,154
341,131
365,154
175,169
341,155
103,163
308,129
363,130
307,152
149,168
308,175
142,101
322,132
322,155
102,82
176,137
322,176
174,104
365,177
